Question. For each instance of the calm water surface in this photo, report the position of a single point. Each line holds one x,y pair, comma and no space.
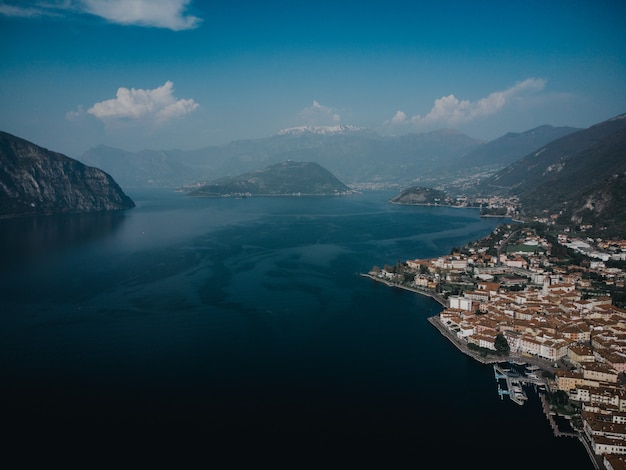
240,329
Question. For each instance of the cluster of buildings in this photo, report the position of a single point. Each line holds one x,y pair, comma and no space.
545,310
498,206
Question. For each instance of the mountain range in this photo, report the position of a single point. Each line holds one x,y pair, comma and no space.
579,177
354,155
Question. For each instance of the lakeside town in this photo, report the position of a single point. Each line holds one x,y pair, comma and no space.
532,293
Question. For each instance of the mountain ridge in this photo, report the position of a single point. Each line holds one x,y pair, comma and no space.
579,177
512,146
322,130
38,181
355,155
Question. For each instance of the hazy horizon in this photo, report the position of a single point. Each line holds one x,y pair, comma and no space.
180,74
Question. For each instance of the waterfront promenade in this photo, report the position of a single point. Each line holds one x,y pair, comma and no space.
426,292
459,343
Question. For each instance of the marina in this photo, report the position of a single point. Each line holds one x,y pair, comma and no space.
514,382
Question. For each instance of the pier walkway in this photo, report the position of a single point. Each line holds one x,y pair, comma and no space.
514,381
555,428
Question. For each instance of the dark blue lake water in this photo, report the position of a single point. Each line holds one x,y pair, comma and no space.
241,329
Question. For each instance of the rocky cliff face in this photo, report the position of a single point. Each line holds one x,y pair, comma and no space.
34,181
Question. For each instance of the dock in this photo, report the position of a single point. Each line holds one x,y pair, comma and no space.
514,383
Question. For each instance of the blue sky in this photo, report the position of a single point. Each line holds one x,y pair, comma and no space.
165,74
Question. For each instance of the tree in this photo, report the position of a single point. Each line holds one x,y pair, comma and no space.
400,266
501,345
560,398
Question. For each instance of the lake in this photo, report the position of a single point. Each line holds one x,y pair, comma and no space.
240,329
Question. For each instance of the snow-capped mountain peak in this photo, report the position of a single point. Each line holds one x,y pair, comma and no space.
320,130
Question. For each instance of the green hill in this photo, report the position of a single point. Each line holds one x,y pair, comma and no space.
418,195
282,179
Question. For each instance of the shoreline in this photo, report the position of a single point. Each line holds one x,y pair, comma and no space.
427,204
462,346
543,364
443,302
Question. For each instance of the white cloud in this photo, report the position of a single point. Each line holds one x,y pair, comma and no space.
157,13
319,115
399,118
75,114
177,109
450,110
170,14
158,104
22,12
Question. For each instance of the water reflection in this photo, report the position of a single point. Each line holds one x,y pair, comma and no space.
27,238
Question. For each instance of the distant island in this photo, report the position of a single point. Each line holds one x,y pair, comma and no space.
37,181
288,178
